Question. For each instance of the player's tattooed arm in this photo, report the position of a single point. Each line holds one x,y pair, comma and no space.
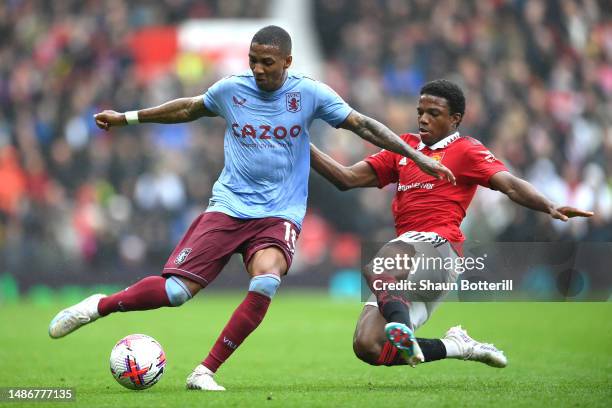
359,174
175,111
525,194
381,136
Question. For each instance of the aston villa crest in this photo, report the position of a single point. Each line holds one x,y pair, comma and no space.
182,256
294,101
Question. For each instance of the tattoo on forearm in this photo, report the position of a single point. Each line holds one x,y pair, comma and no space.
380,135
175,111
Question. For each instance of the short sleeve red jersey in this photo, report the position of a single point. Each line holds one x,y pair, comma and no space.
424,203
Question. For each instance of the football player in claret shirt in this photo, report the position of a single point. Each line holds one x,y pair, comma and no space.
428,214
259,200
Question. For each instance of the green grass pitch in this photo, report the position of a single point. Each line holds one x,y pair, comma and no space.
560,354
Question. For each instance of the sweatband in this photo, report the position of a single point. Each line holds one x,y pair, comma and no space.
131,117
265,284
178,293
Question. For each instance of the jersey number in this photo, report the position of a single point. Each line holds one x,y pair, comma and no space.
290,236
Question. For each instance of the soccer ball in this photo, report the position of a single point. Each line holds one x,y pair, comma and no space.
137,361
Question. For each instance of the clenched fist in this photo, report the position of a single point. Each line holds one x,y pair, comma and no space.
108,118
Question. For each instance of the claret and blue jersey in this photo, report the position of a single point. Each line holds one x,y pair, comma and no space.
267,144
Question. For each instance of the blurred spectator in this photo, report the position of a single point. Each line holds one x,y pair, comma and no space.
537,76
537,80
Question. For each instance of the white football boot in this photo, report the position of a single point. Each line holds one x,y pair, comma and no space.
70,319
473,350
201,378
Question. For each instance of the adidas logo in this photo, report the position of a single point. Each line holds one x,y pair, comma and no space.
403,161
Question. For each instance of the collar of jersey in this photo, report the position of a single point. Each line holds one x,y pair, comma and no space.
440,144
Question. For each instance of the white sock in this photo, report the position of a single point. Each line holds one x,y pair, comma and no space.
452,349
418,314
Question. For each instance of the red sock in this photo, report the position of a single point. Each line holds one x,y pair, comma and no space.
148,293
245,319
390,356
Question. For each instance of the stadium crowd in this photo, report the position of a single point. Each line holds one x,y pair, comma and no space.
537,76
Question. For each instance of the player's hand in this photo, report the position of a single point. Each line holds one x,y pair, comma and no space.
108,118
434,168
565,213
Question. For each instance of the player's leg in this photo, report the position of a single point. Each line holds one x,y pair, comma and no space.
383,273
407,258
267,257
393,304
195,262
371,345
266,267
149,293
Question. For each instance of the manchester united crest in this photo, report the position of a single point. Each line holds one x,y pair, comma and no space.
438,156
182,256
294,101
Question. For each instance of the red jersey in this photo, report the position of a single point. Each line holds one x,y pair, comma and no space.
426,204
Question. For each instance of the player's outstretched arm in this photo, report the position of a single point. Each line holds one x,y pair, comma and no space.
359,174
380,135
525,194
175,111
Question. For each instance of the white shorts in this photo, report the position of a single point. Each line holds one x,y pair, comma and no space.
431,245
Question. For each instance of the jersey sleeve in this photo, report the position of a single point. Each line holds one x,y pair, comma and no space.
481,165
384,166
330,107
215,95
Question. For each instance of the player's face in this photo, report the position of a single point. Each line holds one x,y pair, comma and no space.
268,65
435,120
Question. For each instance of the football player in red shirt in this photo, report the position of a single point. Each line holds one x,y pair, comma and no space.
428,213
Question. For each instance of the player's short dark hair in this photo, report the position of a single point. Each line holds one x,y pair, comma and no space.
274,35
448,90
